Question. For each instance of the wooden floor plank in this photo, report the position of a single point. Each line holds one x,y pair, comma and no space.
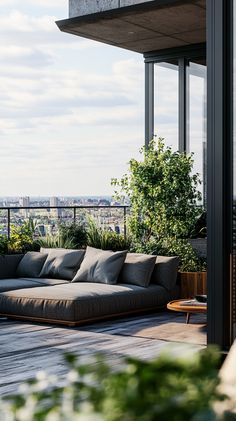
26,348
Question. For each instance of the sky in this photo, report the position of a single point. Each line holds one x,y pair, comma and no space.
71,109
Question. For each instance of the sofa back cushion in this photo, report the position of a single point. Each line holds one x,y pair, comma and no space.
61,263
31,264
165,271
102,266
9,264
137,269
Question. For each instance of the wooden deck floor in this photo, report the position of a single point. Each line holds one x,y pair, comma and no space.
26,348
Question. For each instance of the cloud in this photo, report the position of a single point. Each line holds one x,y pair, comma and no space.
59,98
18,28
71,109
49,4
24,56
20,22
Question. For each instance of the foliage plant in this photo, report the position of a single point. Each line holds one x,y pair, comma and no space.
70,236
74,236
168,388
172,246
200,227
164,197
21,239
3,244
75,233
101,238
55,241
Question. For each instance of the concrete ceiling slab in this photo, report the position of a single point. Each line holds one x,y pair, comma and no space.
171,20
144,29
115,30
153,44
201,3
192,37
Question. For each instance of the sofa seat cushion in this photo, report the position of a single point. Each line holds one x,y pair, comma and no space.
21,283
51,281
17,283
77,302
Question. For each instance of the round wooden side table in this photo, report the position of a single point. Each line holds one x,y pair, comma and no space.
179,305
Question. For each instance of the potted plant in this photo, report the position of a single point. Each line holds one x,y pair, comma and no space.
164,198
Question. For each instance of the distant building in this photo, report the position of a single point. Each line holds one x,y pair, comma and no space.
104,202
54,201
24,202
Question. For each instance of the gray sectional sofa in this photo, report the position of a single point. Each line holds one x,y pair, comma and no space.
73,286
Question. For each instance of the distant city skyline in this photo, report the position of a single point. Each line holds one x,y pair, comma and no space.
47,213
71,109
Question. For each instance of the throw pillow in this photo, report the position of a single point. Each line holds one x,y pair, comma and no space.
165,271
102,266
31,264
137,269
62,263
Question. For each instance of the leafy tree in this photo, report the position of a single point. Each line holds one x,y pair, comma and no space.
163,193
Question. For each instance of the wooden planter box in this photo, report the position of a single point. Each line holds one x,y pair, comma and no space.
192,283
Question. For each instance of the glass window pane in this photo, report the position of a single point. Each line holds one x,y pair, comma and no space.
197,94
166,102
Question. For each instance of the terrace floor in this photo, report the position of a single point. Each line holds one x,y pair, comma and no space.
26,348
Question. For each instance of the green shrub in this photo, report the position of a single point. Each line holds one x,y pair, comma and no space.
168,388
21,239
3,244
103,239
55,241
70,236
172,246
75,233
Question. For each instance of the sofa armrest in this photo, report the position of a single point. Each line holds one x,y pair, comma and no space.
8,265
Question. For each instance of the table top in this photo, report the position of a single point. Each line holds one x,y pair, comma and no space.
178,305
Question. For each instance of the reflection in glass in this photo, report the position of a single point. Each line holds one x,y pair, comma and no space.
196,122
166,106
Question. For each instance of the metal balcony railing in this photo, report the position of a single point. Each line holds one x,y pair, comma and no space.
73,214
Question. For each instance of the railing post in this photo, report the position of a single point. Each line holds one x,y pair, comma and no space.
125,229
74,216
8,223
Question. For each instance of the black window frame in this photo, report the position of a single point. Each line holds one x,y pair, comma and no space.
183,55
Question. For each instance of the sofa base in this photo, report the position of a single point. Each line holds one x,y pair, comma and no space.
85,321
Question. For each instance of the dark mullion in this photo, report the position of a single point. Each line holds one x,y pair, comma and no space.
229,128
183,141
189,51
149,102
219,172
